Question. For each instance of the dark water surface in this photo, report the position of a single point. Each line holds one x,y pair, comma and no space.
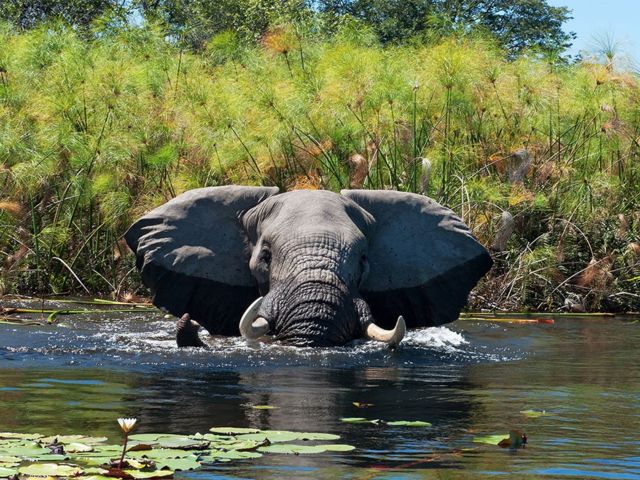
468,379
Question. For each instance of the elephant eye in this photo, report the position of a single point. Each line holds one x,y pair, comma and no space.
265,257
364,268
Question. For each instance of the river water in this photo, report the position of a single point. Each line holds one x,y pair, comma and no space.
468,379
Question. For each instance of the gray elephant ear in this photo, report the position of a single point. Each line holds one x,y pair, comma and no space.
423,260
193,255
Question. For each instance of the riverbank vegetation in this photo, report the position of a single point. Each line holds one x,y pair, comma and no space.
538,155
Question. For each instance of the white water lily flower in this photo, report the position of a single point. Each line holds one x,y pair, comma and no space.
127,424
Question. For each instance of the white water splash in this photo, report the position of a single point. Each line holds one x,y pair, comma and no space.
435,337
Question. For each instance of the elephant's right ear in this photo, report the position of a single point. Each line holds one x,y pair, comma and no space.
192,253
423,260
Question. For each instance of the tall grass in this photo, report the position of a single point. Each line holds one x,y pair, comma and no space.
94,133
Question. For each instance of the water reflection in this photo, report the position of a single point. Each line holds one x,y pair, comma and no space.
470,379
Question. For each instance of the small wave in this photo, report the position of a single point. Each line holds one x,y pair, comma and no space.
435,337
151,342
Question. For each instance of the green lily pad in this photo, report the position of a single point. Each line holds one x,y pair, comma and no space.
491,439
9,459
148,475
245,445
215,439
293,449
21,436
407,423
95,471
337,447
233,430
153,437
358,420
78,448
7,472
103,450
534,413
161,454
263,407
184,443
188,463
50,470
68,439
273,437
216,455
95,461
25,451
279,436
170,441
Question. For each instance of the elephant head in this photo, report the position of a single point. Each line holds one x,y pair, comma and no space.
310,267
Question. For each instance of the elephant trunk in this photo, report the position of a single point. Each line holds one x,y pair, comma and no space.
317,311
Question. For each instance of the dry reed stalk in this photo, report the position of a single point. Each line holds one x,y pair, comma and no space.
358,170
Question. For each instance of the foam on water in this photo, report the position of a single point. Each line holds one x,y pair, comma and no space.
148,340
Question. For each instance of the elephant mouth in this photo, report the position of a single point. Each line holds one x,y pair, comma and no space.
318,332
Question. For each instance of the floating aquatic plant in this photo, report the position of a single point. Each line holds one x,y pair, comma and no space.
513,440
148,455
392,423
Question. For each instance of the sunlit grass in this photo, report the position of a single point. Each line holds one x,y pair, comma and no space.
94,133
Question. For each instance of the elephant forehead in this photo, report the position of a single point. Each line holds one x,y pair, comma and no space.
316,208
315,239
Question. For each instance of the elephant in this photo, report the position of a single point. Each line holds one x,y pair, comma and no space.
309,267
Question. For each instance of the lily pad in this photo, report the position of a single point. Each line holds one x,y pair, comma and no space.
246,445
184,443
50,470
152,455
233,430
407,423
273,437
25,451
159,454
21,436
280,436
534,413
263,407
7,472
78,448
293,449
170,441
148,475
95,471
153,437
216,455
93,477
491,439
358,420
337,447
188,463
68,439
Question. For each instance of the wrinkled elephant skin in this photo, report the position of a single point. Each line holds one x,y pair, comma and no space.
312,268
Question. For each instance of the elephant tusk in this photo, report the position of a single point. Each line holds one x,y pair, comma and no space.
252,326
392,337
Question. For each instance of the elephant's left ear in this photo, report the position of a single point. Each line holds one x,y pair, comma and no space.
423,260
